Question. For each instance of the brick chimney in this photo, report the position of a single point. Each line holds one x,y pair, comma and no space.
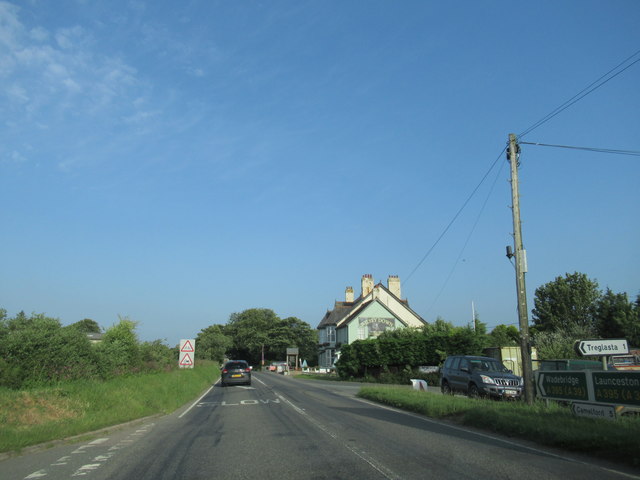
348,295
367,284
393,284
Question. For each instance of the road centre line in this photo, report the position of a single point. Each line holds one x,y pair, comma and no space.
384,471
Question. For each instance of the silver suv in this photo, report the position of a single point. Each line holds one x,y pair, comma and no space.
479,377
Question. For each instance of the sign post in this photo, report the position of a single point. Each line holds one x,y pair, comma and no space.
187,353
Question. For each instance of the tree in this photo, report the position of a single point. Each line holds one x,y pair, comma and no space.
259,331
87,326
250,332
617,317
566,302
557,344
299,334
213,343
504,336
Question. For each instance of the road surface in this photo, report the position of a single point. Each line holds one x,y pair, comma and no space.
284,428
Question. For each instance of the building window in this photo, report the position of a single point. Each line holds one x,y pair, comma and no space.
331,334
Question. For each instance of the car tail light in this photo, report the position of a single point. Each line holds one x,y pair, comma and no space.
247,369
225,371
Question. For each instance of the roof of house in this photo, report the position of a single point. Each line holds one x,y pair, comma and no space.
342,310
356,311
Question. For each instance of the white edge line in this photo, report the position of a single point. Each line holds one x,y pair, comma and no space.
195,403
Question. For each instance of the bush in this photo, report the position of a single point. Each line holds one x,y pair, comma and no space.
394,356
37,350
119,351
157,356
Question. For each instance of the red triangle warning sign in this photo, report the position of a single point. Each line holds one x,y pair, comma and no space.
185,360
187,347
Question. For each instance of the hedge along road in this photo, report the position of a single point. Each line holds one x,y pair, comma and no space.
285,428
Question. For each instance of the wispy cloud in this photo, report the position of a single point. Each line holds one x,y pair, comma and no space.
60,75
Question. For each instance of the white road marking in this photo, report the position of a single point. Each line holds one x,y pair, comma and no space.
38,474
98,441
384,471
195,403
99,459
103,458
85,469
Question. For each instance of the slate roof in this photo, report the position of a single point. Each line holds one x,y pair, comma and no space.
332,317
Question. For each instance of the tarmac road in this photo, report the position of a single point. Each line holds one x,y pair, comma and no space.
285,428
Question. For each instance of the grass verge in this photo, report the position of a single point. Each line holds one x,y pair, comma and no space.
31,417
554,426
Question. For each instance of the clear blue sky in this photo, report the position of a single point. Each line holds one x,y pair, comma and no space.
176,162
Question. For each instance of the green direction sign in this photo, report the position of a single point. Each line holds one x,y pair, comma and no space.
563,385
618,388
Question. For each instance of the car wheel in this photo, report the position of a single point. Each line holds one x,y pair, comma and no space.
446,388
473,391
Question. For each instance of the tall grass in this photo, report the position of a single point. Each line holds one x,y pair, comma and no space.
551,425
38,415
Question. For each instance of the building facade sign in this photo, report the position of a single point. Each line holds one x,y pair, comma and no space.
374,326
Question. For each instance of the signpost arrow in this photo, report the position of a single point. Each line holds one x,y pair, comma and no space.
541,385
602,347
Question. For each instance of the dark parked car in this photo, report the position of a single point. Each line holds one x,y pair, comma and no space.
479,377
235,372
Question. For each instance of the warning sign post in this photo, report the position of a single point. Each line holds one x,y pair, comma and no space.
187,353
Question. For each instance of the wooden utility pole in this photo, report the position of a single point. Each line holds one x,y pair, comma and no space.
521,269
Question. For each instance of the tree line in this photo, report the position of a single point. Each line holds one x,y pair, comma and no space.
38,350
255,335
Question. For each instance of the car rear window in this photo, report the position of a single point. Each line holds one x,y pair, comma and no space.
236,365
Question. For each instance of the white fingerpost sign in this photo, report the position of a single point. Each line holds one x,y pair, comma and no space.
187,353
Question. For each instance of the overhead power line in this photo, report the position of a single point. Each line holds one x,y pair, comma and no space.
610,75
455,217
634,153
